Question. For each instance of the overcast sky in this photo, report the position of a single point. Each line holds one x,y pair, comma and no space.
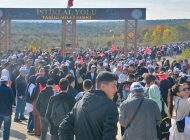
156,9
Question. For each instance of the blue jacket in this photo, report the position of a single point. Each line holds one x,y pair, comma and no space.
6,100
21,86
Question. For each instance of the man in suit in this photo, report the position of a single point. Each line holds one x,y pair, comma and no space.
92,75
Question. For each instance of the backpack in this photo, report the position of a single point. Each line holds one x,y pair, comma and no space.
165,124
59,111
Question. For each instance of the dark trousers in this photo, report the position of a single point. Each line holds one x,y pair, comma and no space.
122,130
54,132
14,92
54,137
20,107
44,128
31,122
7,126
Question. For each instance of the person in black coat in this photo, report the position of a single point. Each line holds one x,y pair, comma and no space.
164,88
72,91
41,106
30,88
14,75
92,75
21,86
62,97
6,102
95,116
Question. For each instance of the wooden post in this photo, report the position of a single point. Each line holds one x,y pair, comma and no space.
9,34
63,41
126,35
131,34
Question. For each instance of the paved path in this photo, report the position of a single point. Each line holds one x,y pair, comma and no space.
19,131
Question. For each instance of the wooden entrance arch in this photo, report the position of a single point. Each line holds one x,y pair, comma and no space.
69,17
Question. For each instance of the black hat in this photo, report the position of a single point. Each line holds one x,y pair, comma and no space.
50,82
32,79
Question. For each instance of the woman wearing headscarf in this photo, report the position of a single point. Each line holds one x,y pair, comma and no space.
154,93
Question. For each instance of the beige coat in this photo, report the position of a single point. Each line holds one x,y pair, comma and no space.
182,111
144,125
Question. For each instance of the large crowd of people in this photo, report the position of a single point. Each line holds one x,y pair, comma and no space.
85,95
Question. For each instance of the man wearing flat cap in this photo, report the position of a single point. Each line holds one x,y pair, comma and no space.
139,116
21,85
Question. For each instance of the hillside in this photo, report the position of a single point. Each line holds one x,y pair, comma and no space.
93,34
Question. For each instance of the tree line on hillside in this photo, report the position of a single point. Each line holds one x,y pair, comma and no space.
100,34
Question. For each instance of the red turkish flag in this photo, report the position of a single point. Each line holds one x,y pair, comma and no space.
148,51
161,76
114,47
70,3
101,54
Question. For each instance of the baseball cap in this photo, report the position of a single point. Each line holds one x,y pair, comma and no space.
137,87
93,66
183,65
169,71
125,68
176,70
131,62
105,64
181,74
122,78
67,64
4,60
148,62
23,69
125,65
119,65
68,61
57,63
4,78
141,61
